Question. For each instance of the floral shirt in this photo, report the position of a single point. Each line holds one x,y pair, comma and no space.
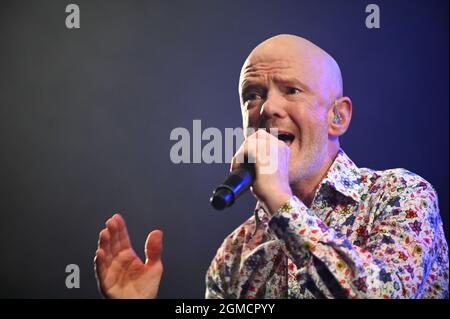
367,234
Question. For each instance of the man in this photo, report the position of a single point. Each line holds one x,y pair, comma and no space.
322,228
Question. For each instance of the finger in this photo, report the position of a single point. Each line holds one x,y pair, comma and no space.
100,265
122,231
241,154
254,144
101,269
234,161
111,224
105,245
153,247
103,241
248,151
266,149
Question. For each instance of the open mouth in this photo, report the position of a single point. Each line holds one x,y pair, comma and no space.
286,137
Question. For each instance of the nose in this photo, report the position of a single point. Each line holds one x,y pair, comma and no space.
273,107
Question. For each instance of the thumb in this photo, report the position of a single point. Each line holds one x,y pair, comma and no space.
153,247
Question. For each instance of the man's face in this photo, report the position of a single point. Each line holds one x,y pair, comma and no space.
284,91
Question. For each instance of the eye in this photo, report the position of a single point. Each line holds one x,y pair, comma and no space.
293,91
252,96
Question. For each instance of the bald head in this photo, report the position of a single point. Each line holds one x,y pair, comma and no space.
291,84
314,67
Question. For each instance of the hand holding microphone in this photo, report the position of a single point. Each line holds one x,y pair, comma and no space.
266,171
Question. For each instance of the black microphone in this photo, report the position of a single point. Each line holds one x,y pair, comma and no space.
235,185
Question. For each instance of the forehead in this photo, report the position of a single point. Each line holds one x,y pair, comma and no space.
281,66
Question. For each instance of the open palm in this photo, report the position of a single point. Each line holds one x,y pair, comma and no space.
120,272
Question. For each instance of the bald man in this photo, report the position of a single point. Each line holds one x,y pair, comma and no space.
322,227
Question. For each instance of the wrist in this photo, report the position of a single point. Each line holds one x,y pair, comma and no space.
276,200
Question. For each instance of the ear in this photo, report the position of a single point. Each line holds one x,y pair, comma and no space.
339,116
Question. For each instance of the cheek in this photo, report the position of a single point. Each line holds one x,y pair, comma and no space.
311,125
304,120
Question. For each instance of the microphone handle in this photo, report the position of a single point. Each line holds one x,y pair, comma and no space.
237,183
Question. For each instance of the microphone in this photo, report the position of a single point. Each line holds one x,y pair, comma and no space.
237,183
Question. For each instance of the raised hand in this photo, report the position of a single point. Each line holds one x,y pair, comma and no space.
120,272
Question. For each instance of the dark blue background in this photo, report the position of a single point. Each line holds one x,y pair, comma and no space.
85,119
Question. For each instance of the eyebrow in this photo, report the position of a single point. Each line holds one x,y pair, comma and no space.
252,83
292,80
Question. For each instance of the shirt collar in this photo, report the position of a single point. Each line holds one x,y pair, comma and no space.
344,177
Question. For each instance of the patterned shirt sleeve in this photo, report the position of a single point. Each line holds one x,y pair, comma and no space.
392,262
